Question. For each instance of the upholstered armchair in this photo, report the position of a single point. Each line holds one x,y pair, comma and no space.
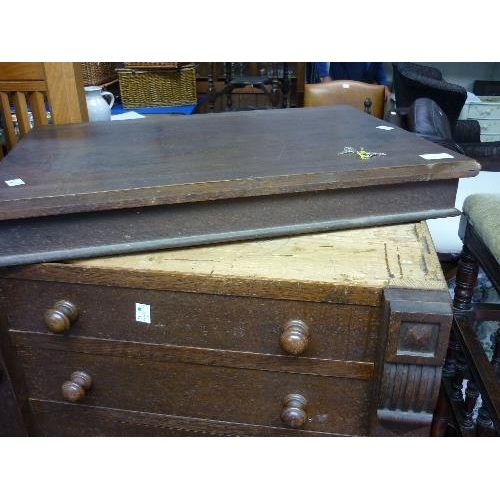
412,81
426,118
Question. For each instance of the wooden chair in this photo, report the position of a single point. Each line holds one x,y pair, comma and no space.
466,359
271,85
364,96
37,87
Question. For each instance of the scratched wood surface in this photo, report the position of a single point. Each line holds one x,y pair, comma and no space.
342,266
106,166
400,255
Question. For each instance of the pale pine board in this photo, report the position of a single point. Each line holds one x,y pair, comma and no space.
396,256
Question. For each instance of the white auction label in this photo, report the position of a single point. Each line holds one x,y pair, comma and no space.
14,182
143,313
436,156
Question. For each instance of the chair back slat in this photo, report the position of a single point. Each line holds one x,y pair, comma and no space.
37,103
7,125
21,109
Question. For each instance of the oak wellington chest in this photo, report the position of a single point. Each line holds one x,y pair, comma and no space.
340,333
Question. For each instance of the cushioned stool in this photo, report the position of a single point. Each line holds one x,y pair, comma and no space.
466,360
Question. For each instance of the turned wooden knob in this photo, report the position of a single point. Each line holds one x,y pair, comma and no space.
294,411
60,317
74,389
295,337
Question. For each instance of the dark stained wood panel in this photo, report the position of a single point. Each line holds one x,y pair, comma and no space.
239,324
93,189
65,419
102,166
124,231
199,389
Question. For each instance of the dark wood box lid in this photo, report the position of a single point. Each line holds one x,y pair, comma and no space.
110,165
91,189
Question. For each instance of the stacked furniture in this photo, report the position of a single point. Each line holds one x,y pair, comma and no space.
302,331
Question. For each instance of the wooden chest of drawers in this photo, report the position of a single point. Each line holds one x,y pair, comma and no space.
338,333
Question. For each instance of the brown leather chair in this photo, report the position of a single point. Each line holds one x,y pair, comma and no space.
348,92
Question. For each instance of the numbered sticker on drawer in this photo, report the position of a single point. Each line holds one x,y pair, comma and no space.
142,313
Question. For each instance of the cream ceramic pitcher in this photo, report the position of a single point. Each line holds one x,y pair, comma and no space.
98,107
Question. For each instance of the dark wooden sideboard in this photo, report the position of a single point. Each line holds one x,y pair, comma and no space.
340,333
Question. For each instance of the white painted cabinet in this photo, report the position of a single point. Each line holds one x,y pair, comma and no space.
487,113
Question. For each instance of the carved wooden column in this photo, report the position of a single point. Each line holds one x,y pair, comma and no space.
416,326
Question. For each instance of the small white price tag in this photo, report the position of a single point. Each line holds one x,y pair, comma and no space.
143,313
14,182
346,85
436,156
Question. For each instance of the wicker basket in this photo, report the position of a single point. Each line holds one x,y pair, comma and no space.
158,87
152,65
97,73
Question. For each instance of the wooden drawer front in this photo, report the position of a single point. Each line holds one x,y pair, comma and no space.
200,386
337,331
65,419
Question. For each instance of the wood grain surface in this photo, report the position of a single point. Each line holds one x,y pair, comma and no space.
102,166
343,266
396,256
210,358
198,388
